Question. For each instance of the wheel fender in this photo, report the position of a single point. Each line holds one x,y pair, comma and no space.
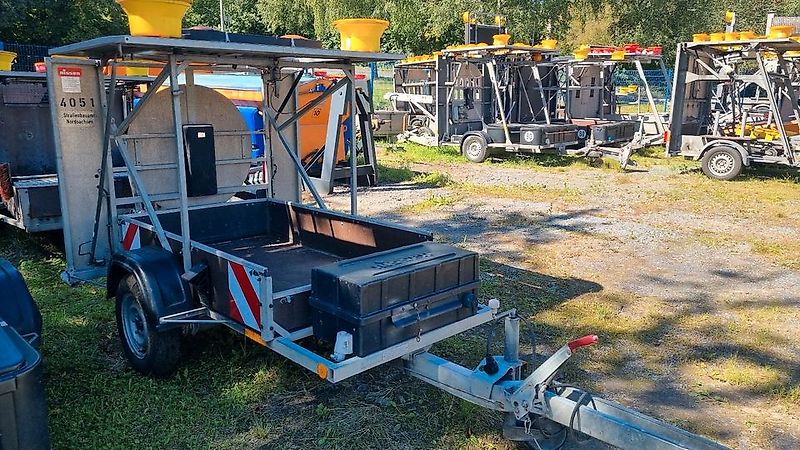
159,275
732,144
480,134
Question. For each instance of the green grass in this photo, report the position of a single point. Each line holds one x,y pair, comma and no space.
785,252
228,393
402,174
752,197
390,174
382,86
432,202
409,152
646,158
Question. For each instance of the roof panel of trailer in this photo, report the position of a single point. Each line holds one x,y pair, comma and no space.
159,48
18,74
775,45
501,50
41,76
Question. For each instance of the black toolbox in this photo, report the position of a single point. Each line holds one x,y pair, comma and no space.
548,135
612,132
393,296
23,410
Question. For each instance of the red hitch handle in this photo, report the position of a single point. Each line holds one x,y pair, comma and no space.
582,342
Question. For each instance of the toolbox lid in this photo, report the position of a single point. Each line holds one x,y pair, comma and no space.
377,266
11,357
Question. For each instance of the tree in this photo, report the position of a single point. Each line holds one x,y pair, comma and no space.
56,22
241,16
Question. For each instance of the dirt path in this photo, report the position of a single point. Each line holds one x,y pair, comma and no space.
697,325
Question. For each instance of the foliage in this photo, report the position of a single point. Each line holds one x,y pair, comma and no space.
416,27
55,22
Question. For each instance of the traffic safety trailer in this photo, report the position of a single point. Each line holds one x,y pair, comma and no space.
735,104
589,94
197,247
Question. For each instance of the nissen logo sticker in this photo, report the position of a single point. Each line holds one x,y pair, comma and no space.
402,261
69,71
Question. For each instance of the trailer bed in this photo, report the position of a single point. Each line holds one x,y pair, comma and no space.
290,264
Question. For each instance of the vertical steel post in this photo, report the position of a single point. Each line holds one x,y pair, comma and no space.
268,163
667,90
545,105
603,92
175,89
511,347
351,90
500,106
792,94
568,94
105,166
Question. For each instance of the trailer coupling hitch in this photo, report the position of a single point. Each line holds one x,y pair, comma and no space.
529,397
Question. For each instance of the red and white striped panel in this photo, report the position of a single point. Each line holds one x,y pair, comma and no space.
131,239
243,296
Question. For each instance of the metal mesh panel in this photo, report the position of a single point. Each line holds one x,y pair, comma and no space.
27,55
659,85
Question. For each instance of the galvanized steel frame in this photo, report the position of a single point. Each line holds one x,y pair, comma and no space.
731,54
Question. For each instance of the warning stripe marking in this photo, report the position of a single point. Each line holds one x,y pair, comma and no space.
244,302
131,239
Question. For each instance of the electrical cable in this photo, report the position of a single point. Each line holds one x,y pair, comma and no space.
571,428
532,338
559,389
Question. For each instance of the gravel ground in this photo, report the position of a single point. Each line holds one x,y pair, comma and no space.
610,234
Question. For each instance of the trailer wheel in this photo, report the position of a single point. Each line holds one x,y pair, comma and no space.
722,163
149,351
474,148
546,435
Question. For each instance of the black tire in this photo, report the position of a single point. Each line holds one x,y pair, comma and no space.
474,148
148,351
546,435
722,163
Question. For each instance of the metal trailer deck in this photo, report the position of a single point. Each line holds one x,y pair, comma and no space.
718,113
188,253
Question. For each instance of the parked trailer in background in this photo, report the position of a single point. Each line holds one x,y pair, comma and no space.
185,254
589,95
28,183
490,99
735,104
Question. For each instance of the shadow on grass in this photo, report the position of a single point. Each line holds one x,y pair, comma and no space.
230,393
763,172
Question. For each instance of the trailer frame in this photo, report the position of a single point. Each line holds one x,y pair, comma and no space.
709,85
170,251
